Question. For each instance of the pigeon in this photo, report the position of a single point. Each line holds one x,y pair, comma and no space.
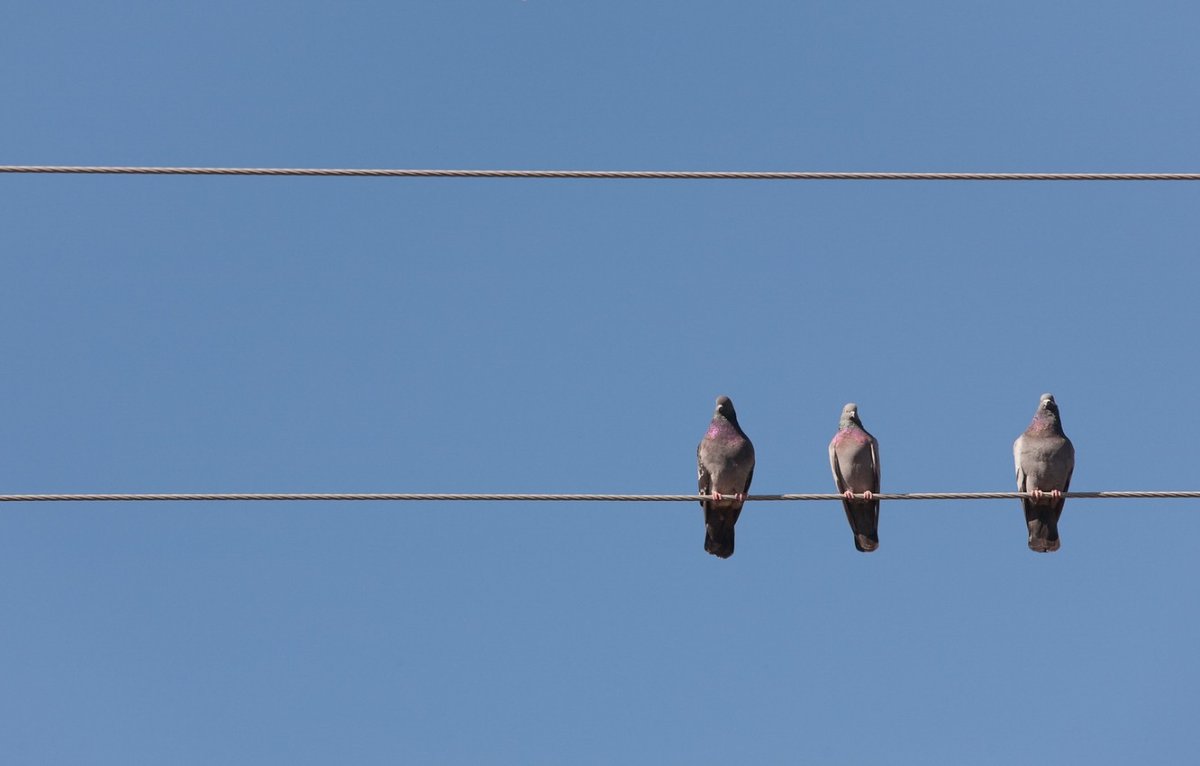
854,458
1045,459
725,462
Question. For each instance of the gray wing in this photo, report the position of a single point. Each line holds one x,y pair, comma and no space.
836,468
1018,449
704,478
1069,458
875,463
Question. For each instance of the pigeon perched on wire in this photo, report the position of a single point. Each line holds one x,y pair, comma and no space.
854,458
725,463
1045,460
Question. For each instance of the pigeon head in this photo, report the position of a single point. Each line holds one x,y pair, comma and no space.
725,408
1047,415
1047,404
850,416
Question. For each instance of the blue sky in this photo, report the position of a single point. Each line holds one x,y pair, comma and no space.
381,335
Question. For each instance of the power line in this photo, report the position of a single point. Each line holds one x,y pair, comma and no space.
501,497
599,174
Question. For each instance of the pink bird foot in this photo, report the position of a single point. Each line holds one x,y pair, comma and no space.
1039,495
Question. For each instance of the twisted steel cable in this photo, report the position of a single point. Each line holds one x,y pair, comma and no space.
751,175
520,497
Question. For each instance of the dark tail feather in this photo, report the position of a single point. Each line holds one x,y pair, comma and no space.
719,542
864,523
718,530
1042,521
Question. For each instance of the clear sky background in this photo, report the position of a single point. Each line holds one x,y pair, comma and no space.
374,335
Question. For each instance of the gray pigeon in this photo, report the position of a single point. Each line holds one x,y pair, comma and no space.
1045,459
854,458
725,460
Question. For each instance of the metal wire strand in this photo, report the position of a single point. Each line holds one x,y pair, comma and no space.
752,175
501,497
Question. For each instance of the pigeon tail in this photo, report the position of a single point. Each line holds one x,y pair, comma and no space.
719,540
866,544
719,520
1042,521
864,523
